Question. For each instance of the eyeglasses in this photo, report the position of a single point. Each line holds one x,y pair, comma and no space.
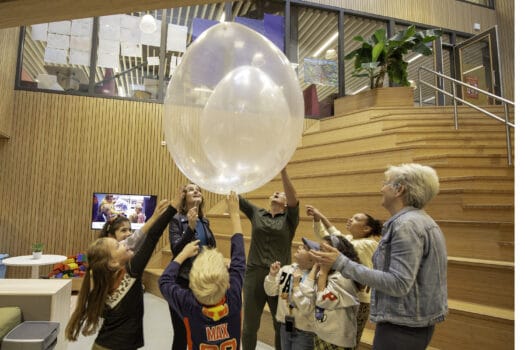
389,183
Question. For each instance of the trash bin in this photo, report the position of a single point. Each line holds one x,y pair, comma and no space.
2,266
32,335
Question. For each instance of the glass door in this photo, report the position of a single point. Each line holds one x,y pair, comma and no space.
477,64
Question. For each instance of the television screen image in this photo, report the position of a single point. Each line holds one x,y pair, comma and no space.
137,208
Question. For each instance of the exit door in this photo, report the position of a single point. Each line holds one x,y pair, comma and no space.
477,64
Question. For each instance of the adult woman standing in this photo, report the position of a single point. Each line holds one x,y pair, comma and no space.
272,233
191,199
409,279
365,232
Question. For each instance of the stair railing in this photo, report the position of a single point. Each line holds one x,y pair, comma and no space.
455,100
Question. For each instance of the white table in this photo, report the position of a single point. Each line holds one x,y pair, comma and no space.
28,260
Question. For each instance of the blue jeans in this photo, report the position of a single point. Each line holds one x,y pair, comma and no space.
296,339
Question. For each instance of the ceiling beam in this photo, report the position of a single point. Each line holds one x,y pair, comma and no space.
17,13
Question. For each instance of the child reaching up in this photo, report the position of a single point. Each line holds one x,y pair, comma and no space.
336,302
112,288
294,310
211,307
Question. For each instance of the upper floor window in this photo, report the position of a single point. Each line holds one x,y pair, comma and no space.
129,55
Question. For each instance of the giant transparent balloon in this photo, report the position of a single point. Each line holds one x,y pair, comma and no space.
233,113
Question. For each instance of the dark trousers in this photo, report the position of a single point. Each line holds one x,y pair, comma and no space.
179,331
254,299
389,336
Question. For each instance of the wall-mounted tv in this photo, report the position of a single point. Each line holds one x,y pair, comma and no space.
138,208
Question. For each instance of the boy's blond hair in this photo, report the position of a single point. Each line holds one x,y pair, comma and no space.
209,277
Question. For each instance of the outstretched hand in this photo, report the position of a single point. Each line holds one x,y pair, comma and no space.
233,208
313,211
274,268
159,209
190,250
327,256
233,203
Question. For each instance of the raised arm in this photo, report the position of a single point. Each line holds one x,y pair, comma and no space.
233,209
134,242
289,190
322,226
140,259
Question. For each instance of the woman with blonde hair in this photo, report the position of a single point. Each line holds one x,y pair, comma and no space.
409,278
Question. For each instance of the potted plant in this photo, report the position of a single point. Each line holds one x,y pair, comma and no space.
379,56
37,250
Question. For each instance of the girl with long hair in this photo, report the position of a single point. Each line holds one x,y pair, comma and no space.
112,288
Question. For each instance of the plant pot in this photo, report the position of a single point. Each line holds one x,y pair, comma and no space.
402,96
37,255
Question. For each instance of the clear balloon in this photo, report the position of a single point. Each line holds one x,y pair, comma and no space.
234,110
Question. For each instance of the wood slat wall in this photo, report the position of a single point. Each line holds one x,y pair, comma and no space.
63,148
453,14
8,46
505,20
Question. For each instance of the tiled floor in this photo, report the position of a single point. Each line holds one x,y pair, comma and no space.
157,327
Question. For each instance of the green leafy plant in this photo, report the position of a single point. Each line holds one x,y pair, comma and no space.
38,247
380,55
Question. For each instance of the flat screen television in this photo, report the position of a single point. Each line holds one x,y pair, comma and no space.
136,207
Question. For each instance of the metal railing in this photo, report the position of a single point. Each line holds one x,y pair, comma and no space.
455,100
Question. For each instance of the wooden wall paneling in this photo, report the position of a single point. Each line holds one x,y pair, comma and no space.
8,45
505,20
64,148
451,14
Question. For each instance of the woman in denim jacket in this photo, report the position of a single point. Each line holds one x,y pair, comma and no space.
409,279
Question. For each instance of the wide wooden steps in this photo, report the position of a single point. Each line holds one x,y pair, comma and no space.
448,205
490,327
483,240
388,124
391,138
429,114
459,331
472,326
446,164
349,180
339,168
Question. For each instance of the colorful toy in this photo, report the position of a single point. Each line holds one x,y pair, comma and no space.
74,266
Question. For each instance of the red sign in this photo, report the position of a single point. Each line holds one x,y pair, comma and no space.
471,93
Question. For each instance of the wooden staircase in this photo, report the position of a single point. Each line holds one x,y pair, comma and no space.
339,169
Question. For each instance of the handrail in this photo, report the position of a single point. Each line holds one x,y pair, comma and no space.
455,98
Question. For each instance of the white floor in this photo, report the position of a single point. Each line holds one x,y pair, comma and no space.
157,327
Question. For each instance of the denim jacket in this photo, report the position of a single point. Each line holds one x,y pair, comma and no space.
409,279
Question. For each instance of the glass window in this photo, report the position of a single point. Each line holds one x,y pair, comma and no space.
56,56
317,63
358,26
416,60
129,52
